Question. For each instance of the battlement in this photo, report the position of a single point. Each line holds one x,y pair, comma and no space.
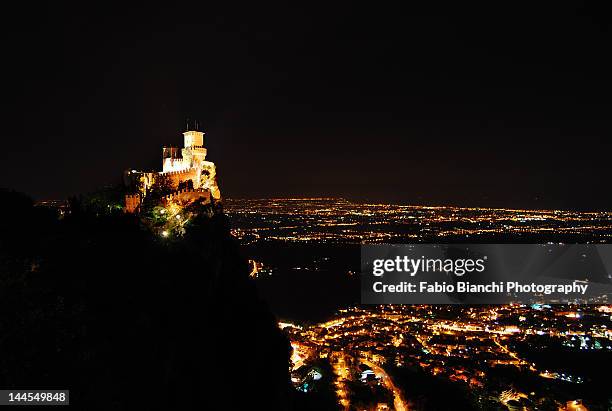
173,164
187,195
178,172
184,190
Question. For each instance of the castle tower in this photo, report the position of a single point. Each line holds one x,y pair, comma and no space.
193,152
193,138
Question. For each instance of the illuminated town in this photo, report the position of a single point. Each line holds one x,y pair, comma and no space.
339,220
400,357
486,351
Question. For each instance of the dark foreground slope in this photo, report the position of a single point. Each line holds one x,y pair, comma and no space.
125,320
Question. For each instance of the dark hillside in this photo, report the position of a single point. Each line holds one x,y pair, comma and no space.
126,320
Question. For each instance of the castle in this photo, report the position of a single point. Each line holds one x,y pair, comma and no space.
186,176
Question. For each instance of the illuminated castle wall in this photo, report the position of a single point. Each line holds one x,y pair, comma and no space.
184,174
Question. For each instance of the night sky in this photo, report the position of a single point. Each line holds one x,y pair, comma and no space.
467,106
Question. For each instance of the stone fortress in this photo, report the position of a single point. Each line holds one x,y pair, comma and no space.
186,176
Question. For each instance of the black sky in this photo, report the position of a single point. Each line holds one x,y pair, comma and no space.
469,106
